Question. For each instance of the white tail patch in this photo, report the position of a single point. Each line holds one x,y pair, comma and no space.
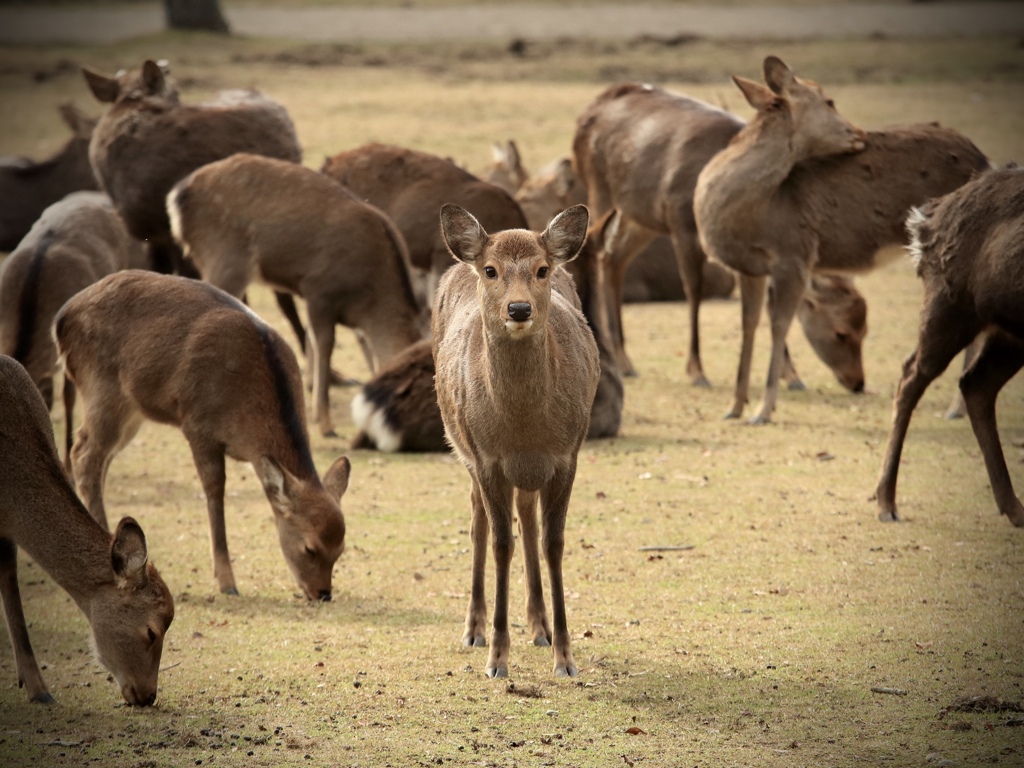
915,220
372,420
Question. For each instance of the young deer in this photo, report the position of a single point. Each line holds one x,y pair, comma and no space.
301,232
141,345
110,578
969,251
517,369
28,187
76,241
800,189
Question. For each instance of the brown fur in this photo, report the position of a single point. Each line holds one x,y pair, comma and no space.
517,369
140,345
126,603
307,235
410,187
74,243
28,187
799,189
969,247
506,169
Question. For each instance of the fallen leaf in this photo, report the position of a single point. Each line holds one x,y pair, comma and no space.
636,731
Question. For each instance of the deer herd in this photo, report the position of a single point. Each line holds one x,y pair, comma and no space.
489,311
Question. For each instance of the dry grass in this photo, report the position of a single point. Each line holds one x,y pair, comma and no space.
759,646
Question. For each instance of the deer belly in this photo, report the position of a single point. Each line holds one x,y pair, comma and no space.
529,471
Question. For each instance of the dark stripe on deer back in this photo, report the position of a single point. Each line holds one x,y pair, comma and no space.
291,419
30,298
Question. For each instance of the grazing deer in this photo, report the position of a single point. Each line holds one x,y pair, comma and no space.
110,578
410,187
800,189
140,345
76,241
969,251
517,369
303,233
28,187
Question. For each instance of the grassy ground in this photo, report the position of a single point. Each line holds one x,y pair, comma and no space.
759,646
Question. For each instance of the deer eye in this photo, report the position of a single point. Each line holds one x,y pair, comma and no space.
842,337
490,272
830,103
310,552
151,634
542,273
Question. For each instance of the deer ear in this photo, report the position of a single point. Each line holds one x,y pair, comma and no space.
565,178
566,233
276,484
777,75
336,478
128,552
104,88
152,76
759,97
462,233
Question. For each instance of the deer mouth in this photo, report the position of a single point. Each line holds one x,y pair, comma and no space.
518,327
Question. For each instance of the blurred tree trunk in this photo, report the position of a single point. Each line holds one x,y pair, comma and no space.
195,14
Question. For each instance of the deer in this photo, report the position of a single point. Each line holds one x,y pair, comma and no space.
148,140
397,410
28,187
302,233
75,242
110,577
968,247
506,169
410,187
517,370
141,345
801,190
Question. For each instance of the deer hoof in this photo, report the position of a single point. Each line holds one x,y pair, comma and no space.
232,590
474,642
1016,515
496,672
700,380
757,421
796,386
43,697
888,516
566,671
542,641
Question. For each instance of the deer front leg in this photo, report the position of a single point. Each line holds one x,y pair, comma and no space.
996,363
691,259
752,290
497,497
536,613
209,460
476,614
321,326
108,426
554,506
29,675
957,407
788,286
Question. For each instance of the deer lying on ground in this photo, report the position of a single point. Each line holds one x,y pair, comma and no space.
140,345
397,410
75,242
148,140
410,187
110,578
305,234
800,190
27,187
969,251
517,369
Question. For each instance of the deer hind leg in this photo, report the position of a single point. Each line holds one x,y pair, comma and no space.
321,327
69,421
554,506
752,291
476,614
624,242
943,333
999,358
536,613
957,407
209,461
496,493
691,259
29,676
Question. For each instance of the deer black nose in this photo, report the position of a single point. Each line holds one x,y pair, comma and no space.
858,387
520,311
325,595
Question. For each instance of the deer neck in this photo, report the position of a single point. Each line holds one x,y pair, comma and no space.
521,363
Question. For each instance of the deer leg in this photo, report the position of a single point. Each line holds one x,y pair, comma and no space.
554,506
321,326
286,303
939,341
999,358
29,676
787,289
496,492
69,420
789,374
209,461
106,429
691,259
476,614
536,613
624,241
752,290
957,407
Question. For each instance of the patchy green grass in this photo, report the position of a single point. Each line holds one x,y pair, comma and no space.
758,646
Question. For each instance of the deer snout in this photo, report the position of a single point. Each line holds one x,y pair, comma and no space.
325,595
137,698
520,311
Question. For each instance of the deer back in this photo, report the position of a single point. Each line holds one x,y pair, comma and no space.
127,604
148,140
